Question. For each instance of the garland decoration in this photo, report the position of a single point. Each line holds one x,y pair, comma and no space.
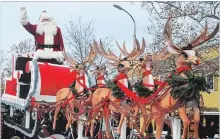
9,121
185,89
34,86
74,91
141,90
116,91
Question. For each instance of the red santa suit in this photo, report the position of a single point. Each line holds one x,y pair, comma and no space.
48,37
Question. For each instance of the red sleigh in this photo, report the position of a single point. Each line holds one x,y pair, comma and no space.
31,79
40,80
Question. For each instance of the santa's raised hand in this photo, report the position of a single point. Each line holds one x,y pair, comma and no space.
23,15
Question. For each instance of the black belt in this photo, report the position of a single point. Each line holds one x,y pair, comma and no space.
49,46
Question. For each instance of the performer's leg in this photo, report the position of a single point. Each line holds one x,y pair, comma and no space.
69,122
120,123
185,120
148,123
91,124
55,115
196,122
106,119
144,112
159,120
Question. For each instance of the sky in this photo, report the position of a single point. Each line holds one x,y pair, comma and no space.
107,20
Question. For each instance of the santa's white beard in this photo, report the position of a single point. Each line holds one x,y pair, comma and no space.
49,29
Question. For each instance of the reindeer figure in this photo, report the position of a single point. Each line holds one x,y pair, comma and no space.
100,71
186,58
147,83
69,94
123,66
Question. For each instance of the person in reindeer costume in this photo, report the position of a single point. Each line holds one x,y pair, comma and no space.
48,37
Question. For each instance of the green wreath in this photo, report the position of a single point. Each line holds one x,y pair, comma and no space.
74,91
142,91
185,89
116,91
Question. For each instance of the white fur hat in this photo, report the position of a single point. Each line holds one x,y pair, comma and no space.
45,15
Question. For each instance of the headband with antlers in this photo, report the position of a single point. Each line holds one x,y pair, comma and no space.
88,59
137,51
202,38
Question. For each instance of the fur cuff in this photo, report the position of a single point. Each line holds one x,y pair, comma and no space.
24,21
49,54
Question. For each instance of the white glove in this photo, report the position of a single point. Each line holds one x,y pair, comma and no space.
23,13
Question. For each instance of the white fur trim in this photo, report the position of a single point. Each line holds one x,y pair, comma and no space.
48,53
14,99
48,38
45,15
24,21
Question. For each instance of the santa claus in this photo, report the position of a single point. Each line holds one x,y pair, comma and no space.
48,37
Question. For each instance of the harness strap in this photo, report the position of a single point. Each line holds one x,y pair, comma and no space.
101,85
148,85
146,73
100,77
68,100
106,110
120,77
133,95
157,82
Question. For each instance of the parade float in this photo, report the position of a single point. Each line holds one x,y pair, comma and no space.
45,97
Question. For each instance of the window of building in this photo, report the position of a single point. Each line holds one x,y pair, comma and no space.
210,82
216,83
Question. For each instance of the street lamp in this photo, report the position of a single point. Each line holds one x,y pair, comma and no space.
120,8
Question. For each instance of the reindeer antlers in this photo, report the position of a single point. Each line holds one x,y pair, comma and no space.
89,58
171,47
137,51
103,53
202,38
91,55
72,62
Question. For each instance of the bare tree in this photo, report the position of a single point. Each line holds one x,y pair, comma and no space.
188,20
23,47
80,36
